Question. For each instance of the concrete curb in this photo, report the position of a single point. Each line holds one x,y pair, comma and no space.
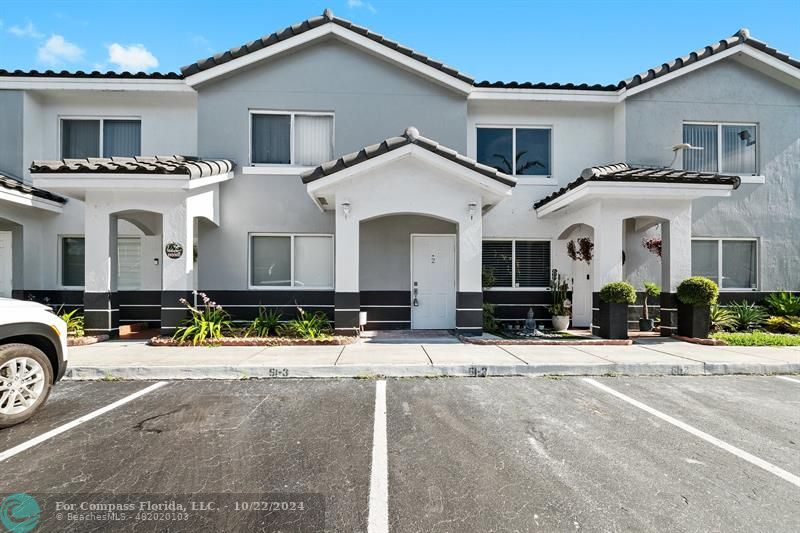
420,371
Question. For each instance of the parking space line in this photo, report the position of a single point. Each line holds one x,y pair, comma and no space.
769,467
11,452
379,476
787,378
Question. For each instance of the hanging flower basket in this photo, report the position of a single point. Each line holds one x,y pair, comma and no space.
581,250
653,245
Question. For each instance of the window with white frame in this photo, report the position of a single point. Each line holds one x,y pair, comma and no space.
73,259
515,263
726,148
299,261
730,263
516,151
284,138
129,263
103,137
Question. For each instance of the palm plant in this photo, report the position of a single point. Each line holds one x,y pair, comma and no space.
722,319
748,316
783,303
75,322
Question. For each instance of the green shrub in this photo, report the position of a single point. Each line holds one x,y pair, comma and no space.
697,290
618,292
783,304
722,319
758,338
75,322
306,326
489,321
747,316
208,322
265,324
487,278
783,324
559,289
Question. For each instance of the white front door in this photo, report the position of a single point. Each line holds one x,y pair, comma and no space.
6,264
433,281
581,294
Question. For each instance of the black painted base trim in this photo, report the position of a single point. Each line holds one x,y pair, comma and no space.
101,313
668,312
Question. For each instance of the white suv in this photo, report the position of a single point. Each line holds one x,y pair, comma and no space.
33,356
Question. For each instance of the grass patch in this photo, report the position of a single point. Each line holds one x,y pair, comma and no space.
758,338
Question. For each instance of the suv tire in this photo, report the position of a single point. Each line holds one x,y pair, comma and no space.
15,389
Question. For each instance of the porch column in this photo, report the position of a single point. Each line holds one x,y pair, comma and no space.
177,273
100,306
469,297
676,264
347,299
607,261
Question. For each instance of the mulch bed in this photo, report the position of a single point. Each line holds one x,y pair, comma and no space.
336,340
548,342
85,341
704,342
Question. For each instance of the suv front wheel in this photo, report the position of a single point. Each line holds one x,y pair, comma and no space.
26,377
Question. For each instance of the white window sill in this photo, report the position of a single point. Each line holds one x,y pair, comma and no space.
753,180
278,170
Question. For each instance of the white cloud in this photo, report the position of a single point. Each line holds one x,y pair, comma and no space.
29,30
134,57
58,50
356,4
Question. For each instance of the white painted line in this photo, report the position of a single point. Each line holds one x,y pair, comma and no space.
85,418
769,467
379,477
789,379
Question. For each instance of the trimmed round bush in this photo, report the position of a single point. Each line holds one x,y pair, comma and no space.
697,290
618,292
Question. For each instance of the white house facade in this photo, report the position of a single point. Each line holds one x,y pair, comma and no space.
327,167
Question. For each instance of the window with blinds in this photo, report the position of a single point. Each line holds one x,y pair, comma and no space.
129,263
517,263
724,148
82,138
303,139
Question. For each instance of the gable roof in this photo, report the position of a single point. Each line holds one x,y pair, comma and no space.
410,136
622,172
327,17
13,184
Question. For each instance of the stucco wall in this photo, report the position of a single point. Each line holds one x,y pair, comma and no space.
385,249
371,99
729,91
11,119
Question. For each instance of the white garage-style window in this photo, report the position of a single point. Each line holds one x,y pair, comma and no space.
518,151
730,263
72,251
726,148
290,138
100,137
291,261
517,263
129,263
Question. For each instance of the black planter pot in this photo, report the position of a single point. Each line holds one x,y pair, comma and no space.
694,320
646,324
613,321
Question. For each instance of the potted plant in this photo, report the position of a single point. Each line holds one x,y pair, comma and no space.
695,297
651,290
615,297
560,306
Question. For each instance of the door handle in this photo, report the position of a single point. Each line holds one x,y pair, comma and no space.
414,293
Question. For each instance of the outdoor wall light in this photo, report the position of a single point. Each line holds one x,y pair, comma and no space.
346,209
155,261
473,208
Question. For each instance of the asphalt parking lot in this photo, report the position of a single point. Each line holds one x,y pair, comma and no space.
481,454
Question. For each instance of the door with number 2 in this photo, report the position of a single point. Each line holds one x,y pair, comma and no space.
433,281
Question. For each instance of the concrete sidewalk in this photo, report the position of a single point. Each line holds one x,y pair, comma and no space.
136,360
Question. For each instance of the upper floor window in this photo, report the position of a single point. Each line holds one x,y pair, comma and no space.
303,139
82,138
516,151
726,148
517,263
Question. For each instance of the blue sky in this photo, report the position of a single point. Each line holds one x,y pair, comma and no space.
567,41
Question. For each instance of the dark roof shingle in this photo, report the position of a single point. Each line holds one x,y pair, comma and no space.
171,164
314,22
621,172
94,74
410,136
8,182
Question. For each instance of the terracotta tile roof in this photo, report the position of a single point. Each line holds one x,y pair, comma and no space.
93,74
410,136
170,164
14,184
621,172
309,24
